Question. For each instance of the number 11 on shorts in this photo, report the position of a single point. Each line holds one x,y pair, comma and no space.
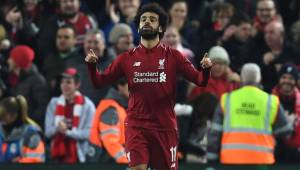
173,151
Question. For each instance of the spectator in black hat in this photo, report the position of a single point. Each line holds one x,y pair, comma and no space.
289,96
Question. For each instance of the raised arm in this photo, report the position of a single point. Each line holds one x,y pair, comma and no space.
200,77
109,75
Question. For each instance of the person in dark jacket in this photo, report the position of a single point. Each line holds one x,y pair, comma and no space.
64,54
238,42
279,51
25,79
69,13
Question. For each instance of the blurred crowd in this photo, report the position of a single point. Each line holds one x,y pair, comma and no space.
43,44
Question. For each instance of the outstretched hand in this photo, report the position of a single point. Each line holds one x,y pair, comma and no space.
91,57
206,62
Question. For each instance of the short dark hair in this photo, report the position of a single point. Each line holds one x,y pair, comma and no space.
240,18
66,26
157,9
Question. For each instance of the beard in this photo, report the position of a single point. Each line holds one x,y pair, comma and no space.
286,87
149,34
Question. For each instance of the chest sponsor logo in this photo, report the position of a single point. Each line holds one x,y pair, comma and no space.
149,77
136,64
161,63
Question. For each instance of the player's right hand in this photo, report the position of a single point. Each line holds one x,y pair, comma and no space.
91,57
206,62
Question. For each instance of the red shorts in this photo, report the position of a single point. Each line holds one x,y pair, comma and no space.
157,149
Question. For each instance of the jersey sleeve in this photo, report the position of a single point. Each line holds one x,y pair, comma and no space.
113,72
186,68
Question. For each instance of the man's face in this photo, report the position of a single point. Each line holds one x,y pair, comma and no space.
69,8
94,42
273,34
129,8
68,86
243,32
171,37
149,26
65,39
265,10
125,42
287,83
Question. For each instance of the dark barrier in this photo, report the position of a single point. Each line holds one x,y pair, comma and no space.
104,166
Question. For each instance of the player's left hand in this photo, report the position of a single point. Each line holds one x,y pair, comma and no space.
206,62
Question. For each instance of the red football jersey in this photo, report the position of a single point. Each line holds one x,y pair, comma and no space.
151,76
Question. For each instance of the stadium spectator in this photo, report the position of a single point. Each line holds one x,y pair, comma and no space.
265,13
172,38
120,39
178,13
23,21
122,11
107,131
211,31
25,79
222,78
69,13
289,96
279,52
21,138
94,40
245,122
194,128
246,6
238,42
68,121
64,56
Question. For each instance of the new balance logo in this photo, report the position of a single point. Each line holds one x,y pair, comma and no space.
137,64
162,77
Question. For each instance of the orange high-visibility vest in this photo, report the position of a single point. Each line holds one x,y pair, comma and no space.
247,128
33,155
21,153
111,137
